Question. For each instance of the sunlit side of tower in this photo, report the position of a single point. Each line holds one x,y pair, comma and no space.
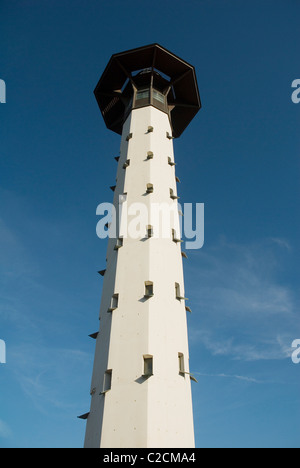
141,387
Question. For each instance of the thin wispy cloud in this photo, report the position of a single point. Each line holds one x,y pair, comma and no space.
34,321
14,260
245,312
5,431
228,376
44,373
253,350
237,280
281,243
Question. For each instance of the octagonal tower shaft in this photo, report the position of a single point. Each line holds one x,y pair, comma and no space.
135,409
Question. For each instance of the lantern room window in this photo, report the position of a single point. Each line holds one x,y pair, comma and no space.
142,94
158,96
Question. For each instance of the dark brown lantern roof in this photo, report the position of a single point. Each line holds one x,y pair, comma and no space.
184,101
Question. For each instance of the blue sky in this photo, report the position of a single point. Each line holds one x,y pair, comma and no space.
239,156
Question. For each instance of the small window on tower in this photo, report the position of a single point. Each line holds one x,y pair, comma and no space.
150,129
148,365
114,303
122,198
150,188
170,162
175,238
149,231
107,381
149,291
149,155
177,292
181,363
119,243
172,195
126,164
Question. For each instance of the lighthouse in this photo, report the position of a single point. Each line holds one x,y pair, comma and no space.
141,382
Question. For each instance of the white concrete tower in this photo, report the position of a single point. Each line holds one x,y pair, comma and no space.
141,388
